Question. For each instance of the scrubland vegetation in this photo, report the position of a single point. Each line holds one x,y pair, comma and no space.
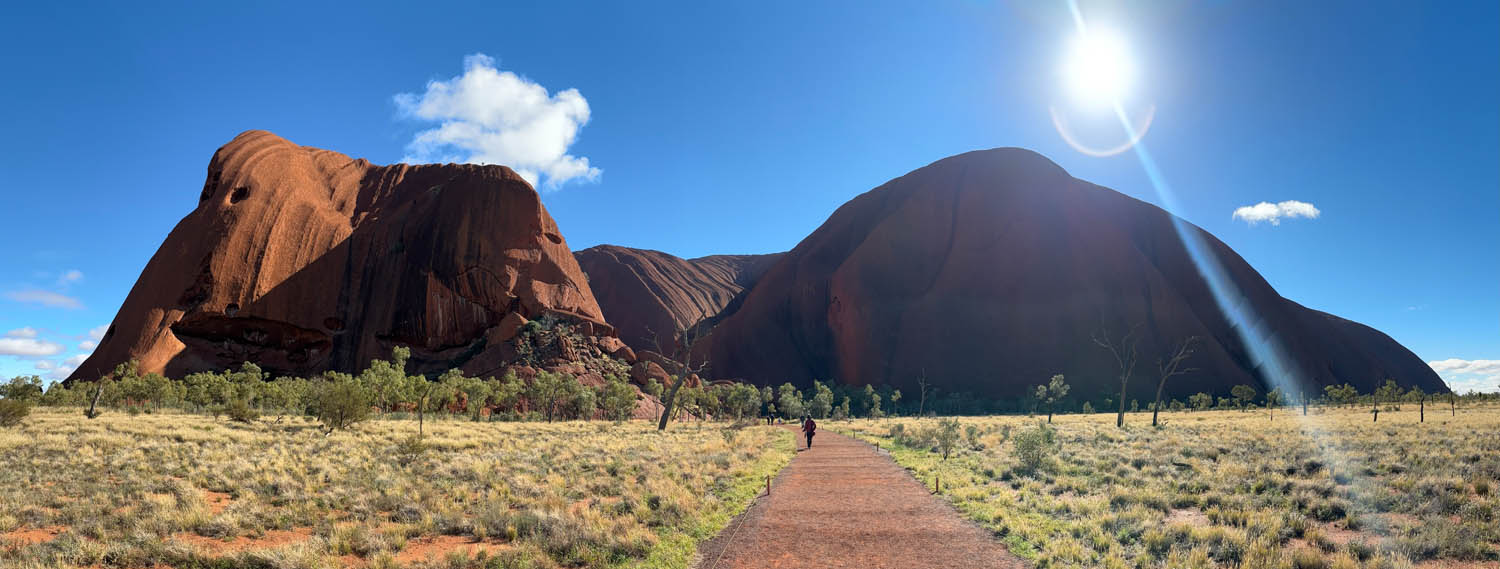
1219,488
188,490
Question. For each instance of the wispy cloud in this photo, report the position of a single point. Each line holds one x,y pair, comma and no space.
29,347
65,368
97,333
1274,212
44,298
69,277
489,116
1467,375
27,332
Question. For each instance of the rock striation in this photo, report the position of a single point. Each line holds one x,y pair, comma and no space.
650,295
304,260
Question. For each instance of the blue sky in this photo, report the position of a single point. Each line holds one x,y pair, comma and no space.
739,127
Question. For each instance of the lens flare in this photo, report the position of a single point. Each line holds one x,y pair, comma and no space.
1260,341
1060,122
1099,70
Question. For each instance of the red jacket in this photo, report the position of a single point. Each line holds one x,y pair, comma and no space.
809,426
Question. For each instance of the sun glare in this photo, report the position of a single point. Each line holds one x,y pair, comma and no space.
1098,69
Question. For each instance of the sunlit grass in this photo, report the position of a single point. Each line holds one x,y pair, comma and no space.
1224,488
187,490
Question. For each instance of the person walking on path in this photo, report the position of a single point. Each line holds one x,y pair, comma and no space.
810,428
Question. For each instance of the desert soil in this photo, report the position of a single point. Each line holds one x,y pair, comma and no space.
845,503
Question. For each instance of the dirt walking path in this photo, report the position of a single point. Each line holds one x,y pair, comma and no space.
846,504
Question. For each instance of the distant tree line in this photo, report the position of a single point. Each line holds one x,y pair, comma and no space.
385,388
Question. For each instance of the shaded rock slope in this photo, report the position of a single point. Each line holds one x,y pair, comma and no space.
650,295
988,272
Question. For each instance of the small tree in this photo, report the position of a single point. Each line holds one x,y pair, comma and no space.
1201,401
618,399
682,370
549,392
1244,395
1168,366
339,402
1274,399
1123,350
23,388
789,401
895,398
1341,394
822,401
1033,447
947,436
429,395
1051,393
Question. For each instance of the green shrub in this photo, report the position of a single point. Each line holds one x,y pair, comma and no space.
410,450
1034,447
340,403
947,436
12,411
240,411
898,433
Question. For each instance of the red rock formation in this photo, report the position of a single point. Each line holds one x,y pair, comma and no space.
643,291
303,260
988,272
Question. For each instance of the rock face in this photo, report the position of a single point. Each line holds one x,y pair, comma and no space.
304,260
644,292
989,271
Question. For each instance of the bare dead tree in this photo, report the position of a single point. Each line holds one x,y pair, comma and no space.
1124,352
922,392
93,410
1169,366
682,368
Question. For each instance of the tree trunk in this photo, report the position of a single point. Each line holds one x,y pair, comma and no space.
1452,404
1120,417
98,391
1156,408
1304,403
666,404
1422,410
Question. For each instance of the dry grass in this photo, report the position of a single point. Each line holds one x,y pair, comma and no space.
1227,489
190,491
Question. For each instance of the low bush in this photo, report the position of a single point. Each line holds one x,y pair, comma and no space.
240,411
1035,447
340,403
12,411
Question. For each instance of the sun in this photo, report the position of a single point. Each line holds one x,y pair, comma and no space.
1099,70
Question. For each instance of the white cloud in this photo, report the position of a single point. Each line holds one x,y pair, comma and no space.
1273,212
69,277
45,365
489,116
87,345
97,333
1466,375
64,369
28,347
44,298
27,332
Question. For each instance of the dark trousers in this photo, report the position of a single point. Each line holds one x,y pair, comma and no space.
809,440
